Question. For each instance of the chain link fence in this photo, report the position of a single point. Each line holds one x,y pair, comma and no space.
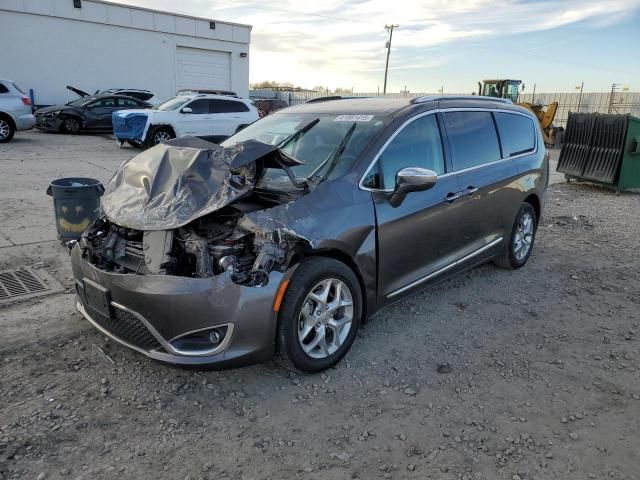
605,102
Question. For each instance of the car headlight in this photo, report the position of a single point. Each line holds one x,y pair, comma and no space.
52,114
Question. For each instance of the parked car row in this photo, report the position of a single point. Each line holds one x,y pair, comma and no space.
134,115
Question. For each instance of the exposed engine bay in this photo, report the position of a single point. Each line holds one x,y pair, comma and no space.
182,209
206,247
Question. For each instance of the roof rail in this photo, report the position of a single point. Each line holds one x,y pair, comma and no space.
432,98
334,97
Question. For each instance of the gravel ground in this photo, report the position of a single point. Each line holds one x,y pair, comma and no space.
532,374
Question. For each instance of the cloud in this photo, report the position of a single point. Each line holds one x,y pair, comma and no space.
340,43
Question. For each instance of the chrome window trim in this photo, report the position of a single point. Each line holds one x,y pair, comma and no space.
447,174
212,351
446,268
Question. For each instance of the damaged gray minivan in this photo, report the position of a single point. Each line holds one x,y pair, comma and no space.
293,231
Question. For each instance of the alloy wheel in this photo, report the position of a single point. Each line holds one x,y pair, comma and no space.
71,125
161,137
5,129
523,237
325,319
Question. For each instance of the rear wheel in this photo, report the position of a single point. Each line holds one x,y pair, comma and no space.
7,130
517,251
71,125
160,135
320,314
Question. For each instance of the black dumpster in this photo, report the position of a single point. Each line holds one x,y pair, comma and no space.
76,202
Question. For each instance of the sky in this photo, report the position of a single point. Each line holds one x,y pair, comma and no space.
439,44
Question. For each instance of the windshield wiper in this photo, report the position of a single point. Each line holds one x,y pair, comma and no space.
304,185
295,134
335,155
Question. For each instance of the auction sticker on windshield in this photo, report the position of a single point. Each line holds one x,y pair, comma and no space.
353,118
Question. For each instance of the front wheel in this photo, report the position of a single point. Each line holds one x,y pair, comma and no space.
319,315
523,234
71,125
160,135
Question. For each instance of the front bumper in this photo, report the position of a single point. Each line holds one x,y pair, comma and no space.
150,312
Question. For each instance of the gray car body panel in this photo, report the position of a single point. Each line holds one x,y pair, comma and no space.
393,251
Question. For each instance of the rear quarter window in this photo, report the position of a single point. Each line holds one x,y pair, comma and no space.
3,89
473,139
517,134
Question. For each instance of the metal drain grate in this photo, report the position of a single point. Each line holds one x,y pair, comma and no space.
22,283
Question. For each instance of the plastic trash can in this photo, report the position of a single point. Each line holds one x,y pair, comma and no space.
76,202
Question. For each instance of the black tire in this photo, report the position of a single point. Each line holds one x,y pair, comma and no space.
135,144
240,127
71,125
309,274
159,135
509,257
7,129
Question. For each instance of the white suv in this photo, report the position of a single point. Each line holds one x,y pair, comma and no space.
213,117
15,110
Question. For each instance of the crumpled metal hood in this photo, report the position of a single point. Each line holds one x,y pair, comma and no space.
171,185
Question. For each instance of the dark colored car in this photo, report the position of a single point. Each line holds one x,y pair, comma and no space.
91,113
266,106
140,94
299,227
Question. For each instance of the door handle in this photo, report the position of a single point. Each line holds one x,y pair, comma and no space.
452,197
469,191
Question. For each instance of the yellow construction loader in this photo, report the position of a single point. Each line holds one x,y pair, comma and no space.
510,89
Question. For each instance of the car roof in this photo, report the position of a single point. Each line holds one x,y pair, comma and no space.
112,95
382,106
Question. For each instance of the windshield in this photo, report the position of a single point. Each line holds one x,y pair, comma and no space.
172,103
327,149
81,102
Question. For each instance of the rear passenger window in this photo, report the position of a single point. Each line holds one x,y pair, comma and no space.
125,102
227,106
3,89
517,134
417,145
472,138
199,107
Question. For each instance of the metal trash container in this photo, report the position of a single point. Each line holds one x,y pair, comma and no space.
76,202
602,148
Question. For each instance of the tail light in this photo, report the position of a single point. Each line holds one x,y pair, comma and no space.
26,100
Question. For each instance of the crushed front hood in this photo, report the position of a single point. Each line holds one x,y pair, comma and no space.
171,185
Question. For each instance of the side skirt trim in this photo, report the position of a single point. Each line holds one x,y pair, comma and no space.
445,268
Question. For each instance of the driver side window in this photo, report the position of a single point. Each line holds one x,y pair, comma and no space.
417,145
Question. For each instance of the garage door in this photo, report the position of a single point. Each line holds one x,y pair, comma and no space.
198,68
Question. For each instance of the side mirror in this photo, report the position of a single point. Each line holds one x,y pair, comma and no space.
186,110
412,179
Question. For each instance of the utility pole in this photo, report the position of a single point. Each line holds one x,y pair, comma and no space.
580,97
386,68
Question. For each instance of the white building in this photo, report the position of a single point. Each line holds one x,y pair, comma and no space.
93,44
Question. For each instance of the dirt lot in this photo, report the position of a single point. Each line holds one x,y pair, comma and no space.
542,381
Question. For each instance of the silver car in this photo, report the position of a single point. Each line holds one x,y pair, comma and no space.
15,110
